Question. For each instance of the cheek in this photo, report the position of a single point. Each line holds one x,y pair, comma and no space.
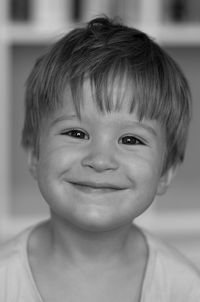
51,164
144,176
144,179
54,163
56,159
144,167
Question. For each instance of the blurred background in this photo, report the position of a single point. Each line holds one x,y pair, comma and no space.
27,27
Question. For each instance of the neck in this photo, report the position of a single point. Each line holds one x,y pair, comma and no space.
79,245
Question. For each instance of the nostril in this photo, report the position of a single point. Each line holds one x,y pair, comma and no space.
100,163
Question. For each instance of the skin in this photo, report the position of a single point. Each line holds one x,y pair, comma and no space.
97,174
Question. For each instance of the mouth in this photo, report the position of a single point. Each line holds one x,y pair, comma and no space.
99,188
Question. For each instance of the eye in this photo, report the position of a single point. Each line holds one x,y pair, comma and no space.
131,140
76,133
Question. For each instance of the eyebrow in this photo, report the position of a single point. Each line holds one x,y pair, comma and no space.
145,127
139,125
64,117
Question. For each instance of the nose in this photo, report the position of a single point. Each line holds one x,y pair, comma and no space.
100,159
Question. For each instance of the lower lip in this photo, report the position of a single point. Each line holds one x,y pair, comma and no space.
87,189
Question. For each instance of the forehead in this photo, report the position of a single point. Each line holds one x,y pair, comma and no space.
114,95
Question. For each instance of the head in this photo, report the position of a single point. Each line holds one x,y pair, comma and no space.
111,55
107,114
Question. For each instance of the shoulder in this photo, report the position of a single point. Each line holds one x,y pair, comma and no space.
13,254
169,255
171,272
15,277
16,248
12,250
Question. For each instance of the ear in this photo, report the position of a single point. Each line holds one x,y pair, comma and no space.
32,162
166,180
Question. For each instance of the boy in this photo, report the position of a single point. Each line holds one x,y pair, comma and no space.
107,114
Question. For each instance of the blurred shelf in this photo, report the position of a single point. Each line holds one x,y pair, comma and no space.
32,34
169,34
180,34
183,34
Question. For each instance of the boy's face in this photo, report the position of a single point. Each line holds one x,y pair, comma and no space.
102,171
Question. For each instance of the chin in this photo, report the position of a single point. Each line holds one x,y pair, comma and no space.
99,223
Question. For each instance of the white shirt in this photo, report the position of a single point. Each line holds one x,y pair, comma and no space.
169,276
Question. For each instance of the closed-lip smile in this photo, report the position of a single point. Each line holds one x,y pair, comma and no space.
98,187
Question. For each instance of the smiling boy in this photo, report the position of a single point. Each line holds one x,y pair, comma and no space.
107,114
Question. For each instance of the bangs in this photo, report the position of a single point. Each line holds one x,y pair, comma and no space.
143,90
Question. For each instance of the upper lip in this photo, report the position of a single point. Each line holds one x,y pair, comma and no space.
98,185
